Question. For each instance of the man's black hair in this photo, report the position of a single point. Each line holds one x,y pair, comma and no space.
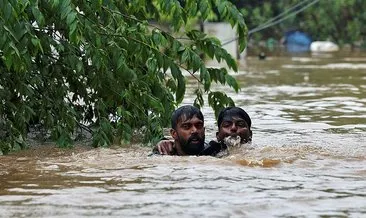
233,112
188,112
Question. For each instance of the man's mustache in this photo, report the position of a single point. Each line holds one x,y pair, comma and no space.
194,137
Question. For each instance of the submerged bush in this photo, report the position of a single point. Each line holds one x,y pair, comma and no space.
74,64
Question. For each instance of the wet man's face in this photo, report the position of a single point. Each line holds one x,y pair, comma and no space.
190,134
234,126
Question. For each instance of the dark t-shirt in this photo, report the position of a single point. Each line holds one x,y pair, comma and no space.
213,148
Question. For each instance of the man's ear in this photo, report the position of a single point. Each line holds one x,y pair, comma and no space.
251,133
174,134
217,134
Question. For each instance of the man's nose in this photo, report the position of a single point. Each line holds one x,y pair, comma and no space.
233,128
193,129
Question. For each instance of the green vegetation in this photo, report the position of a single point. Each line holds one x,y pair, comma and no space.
341,21
68,63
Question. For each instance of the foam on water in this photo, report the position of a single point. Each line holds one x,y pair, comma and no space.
327,66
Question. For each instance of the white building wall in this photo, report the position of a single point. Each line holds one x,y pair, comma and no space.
224,32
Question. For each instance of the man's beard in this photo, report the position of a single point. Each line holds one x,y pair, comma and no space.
192,148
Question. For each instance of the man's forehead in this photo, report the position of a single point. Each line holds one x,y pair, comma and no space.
232,118
184,118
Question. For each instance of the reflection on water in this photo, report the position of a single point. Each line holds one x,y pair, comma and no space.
307,158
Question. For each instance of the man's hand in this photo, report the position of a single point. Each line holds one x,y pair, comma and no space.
165,147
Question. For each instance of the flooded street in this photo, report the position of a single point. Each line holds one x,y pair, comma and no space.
307,159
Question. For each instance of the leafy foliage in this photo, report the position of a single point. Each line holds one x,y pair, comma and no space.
70,63
340,21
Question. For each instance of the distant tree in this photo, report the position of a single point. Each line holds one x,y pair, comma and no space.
338,20
66,63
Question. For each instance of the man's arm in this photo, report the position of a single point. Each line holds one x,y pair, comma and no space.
164,147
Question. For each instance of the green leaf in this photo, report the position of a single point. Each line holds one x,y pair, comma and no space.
171,84
198,102
55,3
15,49
16,147
185,56
222,8
126,134
71,18
10,31
151,64
231,81
155,103
193,9
207,81
231,62
73,27
242,31
128,74
219,100
38,16
204,8
37,43
176,72
65,11
196,62
20,30
176,47
181,89
7,11
156,38
79,66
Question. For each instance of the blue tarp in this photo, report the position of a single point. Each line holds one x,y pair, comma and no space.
297,41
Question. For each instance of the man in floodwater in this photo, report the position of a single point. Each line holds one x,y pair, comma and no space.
188,132
232,121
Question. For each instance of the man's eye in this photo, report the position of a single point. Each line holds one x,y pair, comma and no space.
185,126
241,124
226,124
199,126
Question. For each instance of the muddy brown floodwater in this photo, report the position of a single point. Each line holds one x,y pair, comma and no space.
307,158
